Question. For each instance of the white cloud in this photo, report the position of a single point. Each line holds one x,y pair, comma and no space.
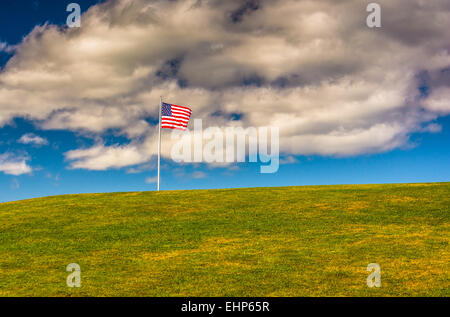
432,128
151,180
14,184
288,160
439,101
31,138
5,47
332,85
13,165
199,174
149,166
101,157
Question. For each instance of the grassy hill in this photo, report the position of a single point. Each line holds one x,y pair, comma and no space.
291,241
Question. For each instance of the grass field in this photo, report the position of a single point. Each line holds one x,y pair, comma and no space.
291,241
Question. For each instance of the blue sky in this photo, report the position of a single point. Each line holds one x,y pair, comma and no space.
423,157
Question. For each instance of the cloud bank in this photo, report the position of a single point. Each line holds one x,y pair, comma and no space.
314,69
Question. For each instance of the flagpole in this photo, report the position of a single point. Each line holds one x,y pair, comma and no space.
159,138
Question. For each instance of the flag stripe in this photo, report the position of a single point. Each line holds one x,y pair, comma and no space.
181,110
171,126
175,118
180,114
183,107
175,122
182,118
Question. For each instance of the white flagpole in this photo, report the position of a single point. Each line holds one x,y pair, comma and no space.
159,138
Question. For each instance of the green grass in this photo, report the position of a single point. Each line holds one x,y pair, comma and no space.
291,241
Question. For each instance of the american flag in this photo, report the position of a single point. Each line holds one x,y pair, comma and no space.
174,117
